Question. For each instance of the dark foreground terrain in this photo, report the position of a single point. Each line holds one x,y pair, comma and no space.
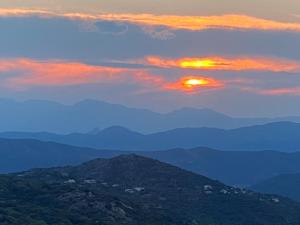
133,190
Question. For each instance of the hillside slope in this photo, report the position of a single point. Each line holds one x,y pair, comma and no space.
133,190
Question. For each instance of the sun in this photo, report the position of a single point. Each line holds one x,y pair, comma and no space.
193,82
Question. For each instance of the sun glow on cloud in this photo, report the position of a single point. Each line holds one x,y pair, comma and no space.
197,63
28,73
226,64
192,23
20,74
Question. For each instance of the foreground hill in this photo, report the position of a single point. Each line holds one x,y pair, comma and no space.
231,167
285,185
281,136
133,190
38,115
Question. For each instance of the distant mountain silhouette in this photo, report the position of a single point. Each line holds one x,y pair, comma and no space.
84,116
133,190
20,155
287,185
280,136
232,168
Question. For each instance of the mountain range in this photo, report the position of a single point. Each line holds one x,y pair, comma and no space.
285,185
235,168
231,167
279,136
20,155
133,190
84,116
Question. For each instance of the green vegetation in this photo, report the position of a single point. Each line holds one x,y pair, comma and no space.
133,190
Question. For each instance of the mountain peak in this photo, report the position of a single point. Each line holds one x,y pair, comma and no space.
127,158
135,170
118,130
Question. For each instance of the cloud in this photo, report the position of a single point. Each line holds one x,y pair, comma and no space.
226,64
192,23
11,12
29,72
195,23
26,73
159,33
293,91
104,27
23,74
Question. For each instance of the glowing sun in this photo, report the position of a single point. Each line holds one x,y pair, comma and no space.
195,82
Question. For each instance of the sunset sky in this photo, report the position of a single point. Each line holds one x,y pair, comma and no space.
237,57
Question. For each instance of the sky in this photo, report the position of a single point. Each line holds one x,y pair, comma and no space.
241,58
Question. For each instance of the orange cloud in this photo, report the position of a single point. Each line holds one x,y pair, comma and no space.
281,91
193,23
55,72
23,12
229,64
24,73
194,84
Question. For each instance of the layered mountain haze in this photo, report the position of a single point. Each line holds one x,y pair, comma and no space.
285,185
231,167
47,116
132,190
126,112
280,136
21,155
